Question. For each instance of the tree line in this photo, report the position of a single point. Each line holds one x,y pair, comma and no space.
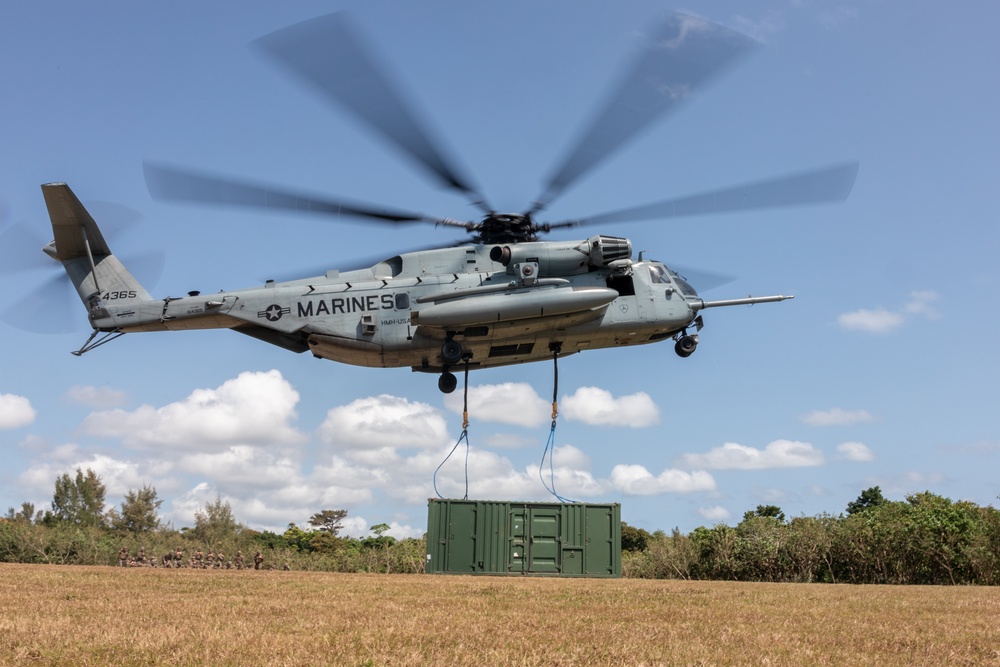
924,539
79,529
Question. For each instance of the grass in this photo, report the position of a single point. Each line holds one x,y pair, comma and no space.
53,615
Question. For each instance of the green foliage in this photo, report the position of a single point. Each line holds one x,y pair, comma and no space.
329,521
25,514
299,539
78,500
215,524
267,539
766,511
869,498
634,539
138,513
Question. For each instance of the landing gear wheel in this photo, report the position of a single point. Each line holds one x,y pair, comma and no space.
447,382
686,346
451,353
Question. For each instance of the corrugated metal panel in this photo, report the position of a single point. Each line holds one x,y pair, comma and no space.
505,537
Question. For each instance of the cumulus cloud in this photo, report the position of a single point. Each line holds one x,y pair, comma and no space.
636,480
243,466
778,454
97,397
836,417
254,407
598,407
15,411
715,513
878,320
382,424
855,451
118,475
882,320
514,403
507,441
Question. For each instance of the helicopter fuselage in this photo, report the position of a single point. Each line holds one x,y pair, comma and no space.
502,304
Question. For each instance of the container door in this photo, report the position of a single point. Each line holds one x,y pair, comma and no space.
600,544
544,548
462,537
518,541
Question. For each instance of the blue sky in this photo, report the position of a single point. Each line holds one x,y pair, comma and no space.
881,371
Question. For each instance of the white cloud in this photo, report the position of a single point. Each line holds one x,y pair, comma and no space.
877,321
920,304
97,397
251,408
836,417
595,406
15,411
715,513
855,451
118,475
778,454
514,403
382,424
882,320
507,441
242,466
636,480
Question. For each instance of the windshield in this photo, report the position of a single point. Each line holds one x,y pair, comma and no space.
682,284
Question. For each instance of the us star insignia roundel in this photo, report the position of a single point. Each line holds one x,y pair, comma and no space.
273,312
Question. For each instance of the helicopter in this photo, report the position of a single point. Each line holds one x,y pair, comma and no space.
501,296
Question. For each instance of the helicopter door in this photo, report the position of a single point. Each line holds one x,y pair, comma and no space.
627,307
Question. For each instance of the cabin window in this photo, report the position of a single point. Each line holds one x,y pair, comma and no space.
402,301
622,284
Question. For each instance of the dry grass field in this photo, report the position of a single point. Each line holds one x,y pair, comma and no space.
52,615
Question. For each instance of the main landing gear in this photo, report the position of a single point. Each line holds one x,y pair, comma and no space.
452,354
686,344
447,382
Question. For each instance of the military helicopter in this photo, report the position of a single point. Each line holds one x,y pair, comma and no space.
500,297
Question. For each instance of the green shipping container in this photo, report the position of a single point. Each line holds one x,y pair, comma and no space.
508,537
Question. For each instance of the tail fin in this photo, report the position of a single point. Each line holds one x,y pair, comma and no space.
96,273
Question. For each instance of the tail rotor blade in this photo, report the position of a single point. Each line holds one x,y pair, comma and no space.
21,250
51,308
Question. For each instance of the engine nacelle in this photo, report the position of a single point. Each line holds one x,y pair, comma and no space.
563,259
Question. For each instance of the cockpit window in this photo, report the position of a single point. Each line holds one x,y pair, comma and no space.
682,284
658,274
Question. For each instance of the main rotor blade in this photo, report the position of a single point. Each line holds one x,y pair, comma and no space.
679,56
829,184
178,184
328,53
